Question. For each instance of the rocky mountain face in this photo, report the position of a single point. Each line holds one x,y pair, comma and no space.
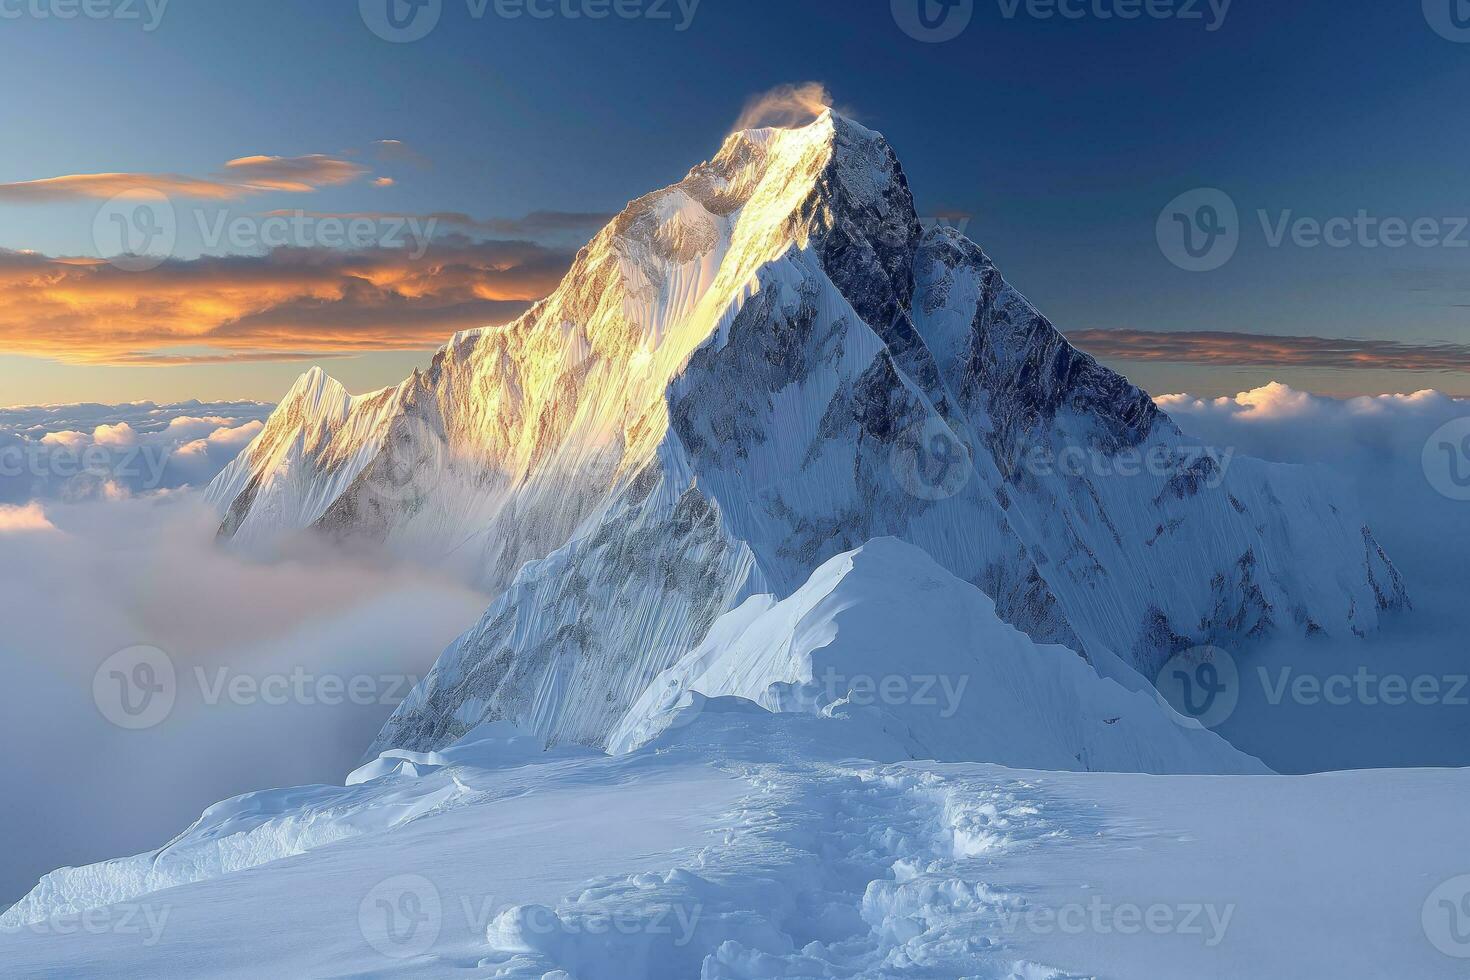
763,366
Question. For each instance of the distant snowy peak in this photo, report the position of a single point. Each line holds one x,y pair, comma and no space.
315,443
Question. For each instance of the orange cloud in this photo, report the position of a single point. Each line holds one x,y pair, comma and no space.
1263,350
298,175
536,225
290,304
241,177
24,520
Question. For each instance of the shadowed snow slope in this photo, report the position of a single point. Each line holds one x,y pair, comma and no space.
747,373
884,634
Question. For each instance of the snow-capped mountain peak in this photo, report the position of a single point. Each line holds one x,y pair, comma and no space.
762,366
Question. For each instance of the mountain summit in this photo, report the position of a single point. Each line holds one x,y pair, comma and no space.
763,366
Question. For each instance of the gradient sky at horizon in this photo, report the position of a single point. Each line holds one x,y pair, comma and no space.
1061,139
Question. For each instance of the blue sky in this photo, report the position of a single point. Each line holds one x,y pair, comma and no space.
1063,138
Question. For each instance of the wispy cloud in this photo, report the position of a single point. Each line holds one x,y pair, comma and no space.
1262,350
298,175
397,151
284,305
536,225
239,178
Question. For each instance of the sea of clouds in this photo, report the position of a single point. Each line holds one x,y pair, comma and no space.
1405,457
88,452
283,672
97,559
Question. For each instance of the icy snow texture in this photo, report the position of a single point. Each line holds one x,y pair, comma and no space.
744,375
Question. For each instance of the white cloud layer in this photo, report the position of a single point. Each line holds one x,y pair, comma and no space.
100,452
81,581
1378,444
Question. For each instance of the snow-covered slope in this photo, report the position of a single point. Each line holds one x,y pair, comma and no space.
748,845
745,374
886,633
